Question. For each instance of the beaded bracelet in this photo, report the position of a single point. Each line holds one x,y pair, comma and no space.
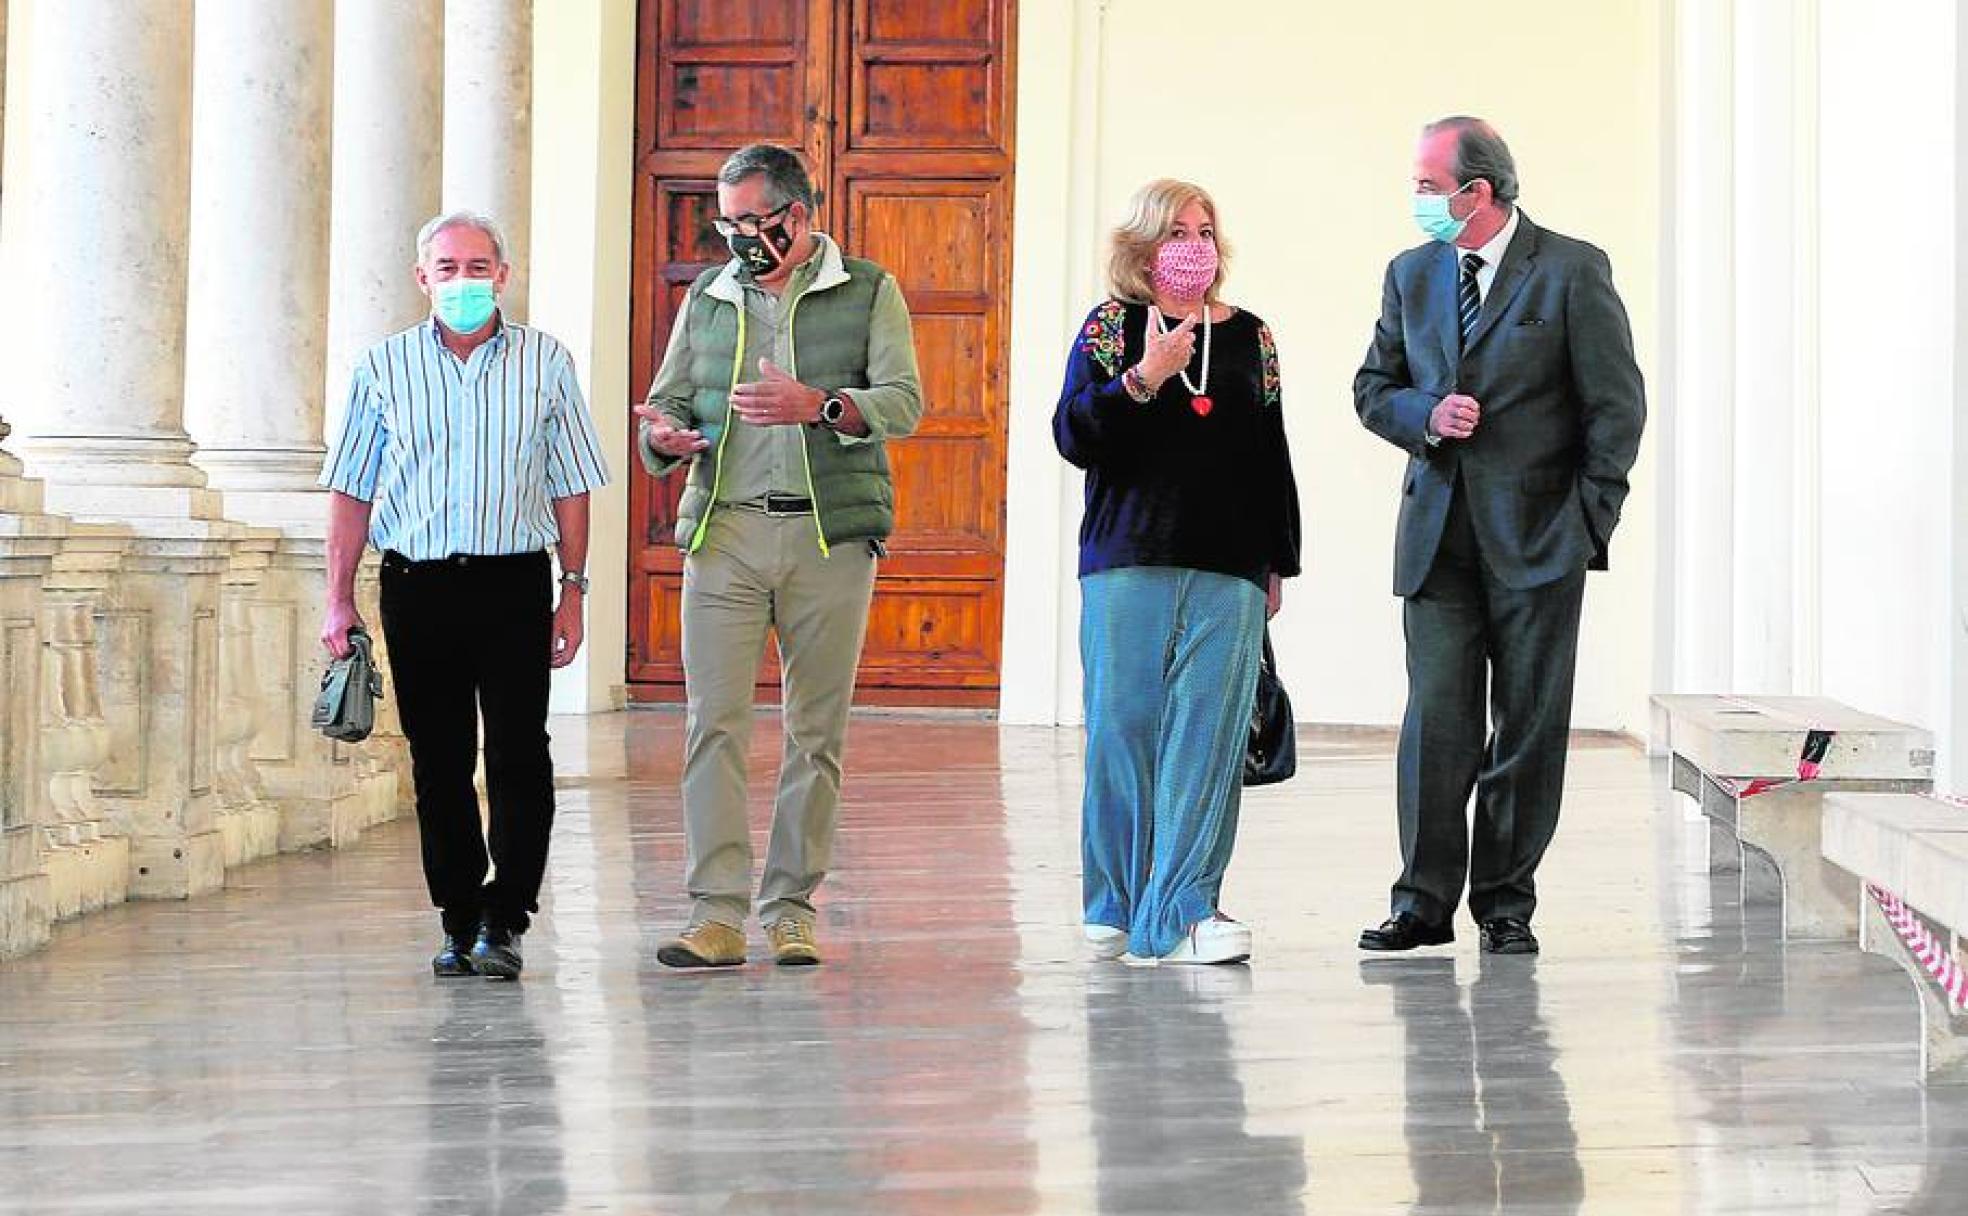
1136,387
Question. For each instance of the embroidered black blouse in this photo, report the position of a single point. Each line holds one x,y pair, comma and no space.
1167,485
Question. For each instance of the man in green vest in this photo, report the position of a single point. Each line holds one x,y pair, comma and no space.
788,370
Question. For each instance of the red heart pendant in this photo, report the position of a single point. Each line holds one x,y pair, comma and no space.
1202,406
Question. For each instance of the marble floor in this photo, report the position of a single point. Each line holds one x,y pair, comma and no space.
280,1047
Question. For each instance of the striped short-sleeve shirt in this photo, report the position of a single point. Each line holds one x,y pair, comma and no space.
465,456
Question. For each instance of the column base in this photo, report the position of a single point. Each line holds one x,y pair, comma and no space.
163,867
88,876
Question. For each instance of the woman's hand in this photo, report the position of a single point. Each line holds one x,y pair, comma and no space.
1168,353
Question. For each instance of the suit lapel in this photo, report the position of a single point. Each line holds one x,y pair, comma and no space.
1510,279
1448,333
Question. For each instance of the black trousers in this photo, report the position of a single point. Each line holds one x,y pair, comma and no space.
470,637
1470,638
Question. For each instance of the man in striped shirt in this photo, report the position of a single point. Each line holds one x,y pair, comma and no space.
466,453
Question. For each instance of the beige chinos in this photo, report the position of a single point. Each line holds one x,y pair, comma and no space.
758,572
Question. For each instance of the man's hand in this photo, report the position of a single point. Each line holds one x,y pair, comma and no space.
776,399
566,628
665,438
1274,596
1455,416
335,625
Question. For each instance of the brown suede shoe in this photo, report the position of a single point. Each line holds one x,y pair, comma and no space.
792,942
704,944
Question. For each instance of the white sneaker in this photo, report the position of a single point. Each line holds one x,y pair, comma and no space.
1217,940
1106,942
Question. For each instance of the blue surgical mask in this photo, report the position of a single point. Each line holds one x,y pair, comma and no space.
464,305
1431,212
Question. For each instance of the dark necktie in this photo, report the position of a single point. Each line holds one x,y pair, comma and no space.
1469,301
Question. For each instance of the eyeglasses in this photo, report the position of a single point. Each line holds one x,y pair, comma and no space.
748,225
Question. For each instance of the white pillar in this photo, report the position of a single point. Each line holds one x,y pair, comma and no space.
1699,416
488,123
1766,384
100,188
388,133
257,316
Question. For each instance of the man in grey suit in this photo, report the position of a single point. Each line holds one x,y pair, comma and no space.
1503,365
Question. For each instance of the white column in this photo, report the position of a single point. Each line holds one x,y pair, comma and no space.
1766,388
101,190
488,123
257,316
1698,414
388,132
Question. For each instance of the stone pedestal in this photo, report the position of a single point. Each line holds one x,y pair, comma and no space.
28,541
159,635
88,863
328,796
385,751
248,821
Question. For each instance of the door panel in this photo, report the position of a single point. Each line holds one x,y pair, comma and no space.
929,75
902,110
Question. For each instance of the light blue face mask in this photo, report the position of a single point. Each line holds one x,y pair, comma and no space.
1431,212
464,305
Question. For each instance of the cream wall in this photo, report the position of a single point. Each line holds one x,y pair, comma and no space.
1302,121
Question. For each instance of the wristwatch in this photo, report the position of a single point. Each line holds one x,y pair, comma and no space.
833,409
575,579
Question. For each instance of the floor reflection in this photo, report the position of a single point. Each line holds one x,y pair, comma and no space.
1487,1118
1168,1105
493,1144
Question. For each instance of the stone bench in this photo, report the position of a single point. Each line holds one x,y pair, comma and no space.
1910,854
1738,758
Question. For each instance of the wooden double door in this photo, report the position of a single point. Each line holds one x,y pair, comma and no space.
903,109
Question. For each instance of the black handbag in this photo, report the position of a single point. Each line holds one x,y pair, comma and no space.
1271,753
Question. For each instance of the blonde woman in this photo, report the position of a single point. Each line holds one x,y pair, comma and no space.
1172,406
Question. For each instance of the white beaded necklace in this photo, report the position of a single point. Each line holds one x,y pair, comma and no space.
1199,399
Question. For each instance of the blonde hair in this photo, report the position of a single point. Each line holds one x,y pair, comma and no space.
1151,213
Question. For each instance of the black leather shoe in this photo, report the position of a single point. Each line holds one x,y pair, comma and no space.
496,954
453,961
1405,931
1508,935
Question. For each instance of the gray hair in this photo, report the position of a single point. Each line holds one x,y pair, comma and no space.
784,172
462,219
1480,154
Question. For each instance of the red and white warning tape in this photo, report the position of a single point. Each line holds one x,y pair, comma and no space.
1920,941
1817,742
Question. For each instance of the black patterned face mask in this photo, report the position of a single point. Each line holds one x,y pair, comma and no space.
764,253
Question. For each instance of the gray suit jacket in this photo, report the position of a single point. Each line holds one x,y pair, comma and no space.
1551,362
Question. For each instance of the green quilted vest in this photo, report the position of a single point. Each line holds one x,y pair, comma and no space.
852,492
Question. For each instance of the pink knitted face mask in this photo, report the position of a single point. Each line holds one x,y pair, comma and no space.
1185,267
